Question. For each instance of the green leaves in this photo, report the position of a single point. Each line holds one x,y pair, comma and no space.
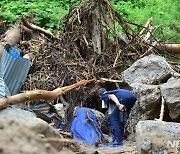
49,13
163,12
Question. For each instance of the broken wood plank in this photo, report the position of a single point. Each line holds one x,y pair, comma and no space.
110,80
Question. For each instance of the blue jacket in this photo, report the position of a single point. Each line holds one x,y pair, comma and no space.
125,97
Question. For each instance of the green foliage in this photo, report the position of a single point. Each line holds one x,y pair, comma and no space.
49,13
163,12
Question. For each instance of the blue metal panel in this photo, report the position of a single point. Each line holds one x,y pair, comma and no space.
14,69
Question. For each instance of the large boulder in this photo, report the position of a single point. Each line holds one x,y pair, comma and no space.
171,93
29,119
16,114
157,137
148,96
16,138
146,107
41,127
151,69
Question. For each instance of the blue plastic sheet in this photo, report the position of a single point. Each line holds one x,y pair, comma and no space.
84,129
14,52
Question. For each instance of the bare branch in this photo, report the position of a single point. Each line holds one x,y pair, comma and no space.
39,94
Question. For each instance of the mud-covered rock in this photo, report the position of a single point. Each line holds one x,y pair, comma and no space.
157,137
171,93
41,127
29,119
151,69
16,114
146,107
16,138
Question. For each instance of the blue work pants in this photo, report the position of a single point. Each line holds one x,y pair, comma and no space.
116,127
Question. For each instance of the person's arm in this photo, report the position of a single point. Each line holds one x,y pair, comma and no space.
116,101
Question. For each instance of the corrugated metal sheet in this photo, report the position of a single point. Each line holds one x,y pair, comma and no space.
14,70
3,88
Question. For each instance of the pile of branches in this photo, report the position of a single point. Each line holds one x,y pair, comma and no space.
89,47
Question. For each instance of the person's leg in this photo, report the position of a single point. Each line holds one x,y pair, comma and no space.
115,127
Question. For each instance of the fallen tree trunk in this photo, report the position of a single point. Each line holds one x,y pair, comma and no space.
12,36
35,95
169,47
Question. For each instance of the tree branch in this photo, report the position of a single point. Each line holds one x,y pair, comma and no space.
36,28
39,94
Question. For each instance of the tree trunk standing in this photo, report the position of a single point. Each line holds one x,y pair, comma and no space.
96,33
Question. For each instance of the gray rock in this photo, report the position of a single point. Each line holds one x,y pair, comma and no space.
41,127
157,137
16,114
146,107
29,119
148,96
16,138
171,93
148,70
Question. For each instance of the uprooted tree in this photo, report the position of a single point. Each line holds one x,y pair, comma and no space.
89,47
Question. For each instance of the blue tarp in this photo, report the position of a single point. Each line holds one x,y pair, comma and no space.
14,51
84,129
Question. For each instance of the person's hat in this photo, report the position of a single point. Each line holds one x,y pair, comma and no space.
100,92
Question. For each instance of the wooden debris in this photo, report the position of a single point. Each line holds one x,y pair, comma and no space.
147,26
174,74
162,111
149,50
118,54
36,28
173,48
110,80
12,36
66,134
60,140
150,33
39,94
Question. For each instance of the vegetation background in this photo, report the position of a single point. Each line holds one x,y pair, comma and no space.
50,12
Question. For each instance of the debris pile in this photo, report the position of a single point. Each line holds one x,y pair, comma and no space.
89,47
67,68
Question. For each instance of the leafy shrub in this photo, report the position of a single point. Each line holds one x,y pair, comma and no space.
48,13
163,12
